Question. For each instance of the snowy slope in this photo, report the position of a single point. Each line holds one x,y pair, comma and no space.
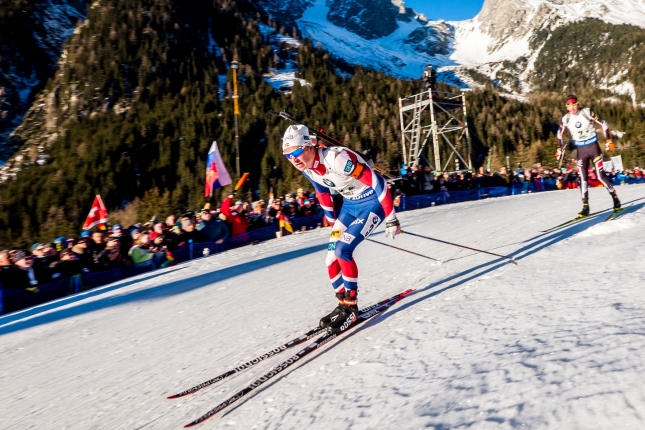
554,342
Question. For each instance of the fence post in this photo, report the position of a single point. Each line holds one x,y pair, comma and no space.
76,283
190,247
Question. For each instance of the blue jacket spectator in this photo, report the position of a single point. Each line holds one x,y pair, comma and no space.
212,229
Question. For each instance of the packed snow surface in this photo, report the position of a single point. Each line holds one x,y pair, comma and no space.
554,342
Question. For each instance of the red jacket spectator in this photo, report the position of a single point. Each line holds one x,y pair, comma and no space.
234,216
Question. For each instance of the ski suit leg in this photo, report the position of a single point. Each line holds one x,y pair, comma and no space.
602,177
583,170
333,266
586,153
359,219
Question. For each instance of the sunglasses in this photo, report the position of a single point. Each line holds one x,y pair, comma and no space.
572,104
297,153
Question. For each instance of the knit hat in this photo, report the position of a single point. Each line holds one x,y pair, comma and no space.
35,245
296,135
86,234
116,227
155,235
20,254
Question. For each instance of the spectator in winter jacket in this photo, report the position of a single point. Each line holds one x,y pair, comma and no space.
21,275
257,216
302,196
188,233
213,229
5,263
160,228
140,252
273,211
47,257
111,257
98,242
170,221
67,266
290,210
84,254
234,216
161,256
306,209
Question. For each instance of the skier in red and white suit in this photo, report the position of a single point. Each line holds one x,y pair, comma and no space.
366,203
581,124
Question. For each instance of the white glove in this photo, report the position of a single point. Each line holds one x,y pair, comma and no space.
392,228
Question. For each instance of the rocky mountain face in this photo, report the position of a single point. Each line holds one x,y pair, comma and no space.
32,35
369,19
500,45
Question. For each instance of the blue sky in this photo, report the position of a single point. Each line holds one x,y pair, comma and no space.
454,10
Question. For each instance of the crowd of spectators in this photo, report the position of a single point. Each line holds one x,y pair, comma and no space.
154,242
151,243
421,180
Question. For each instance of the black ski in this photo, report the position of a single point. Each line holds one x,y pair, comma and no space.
300,339
616,212
572,221
321,341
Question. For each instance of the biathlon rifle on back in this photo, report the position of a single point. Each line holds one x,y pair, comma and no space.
333,142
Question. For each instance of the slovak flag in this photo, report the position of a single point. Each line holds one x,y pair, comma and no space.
216,174
98,214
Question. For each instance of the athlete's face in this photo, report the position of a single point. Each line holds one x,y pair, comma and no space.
302,157
573,108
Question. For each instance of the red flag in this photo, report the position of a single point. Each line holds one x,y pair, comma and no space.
98,214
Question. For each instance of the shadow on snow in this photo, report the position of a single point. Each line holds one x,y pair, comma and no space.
69,307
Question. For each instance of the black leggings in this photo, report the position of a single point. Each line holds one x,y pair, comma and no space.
586,153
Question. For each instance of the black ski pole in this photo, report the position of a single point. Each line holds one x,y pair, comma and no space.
564,148
404,250
461,246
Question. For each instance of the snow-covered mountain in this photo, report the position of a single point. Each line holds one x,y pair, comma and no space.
388,36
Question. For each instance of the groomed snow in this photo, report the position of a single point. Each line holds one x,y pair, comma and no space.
554,342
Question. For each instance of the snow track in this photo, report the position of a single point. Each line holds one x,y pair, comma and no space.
555,342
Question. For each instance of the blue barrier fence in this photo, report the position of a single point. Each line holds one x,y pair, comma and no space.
12,300
15,299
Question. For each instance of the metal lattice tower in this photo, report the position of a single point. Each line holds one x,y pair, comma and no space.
441,115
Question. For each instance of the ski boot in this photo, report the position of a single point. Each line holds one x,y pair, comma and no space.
585,210
345,314
614,196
